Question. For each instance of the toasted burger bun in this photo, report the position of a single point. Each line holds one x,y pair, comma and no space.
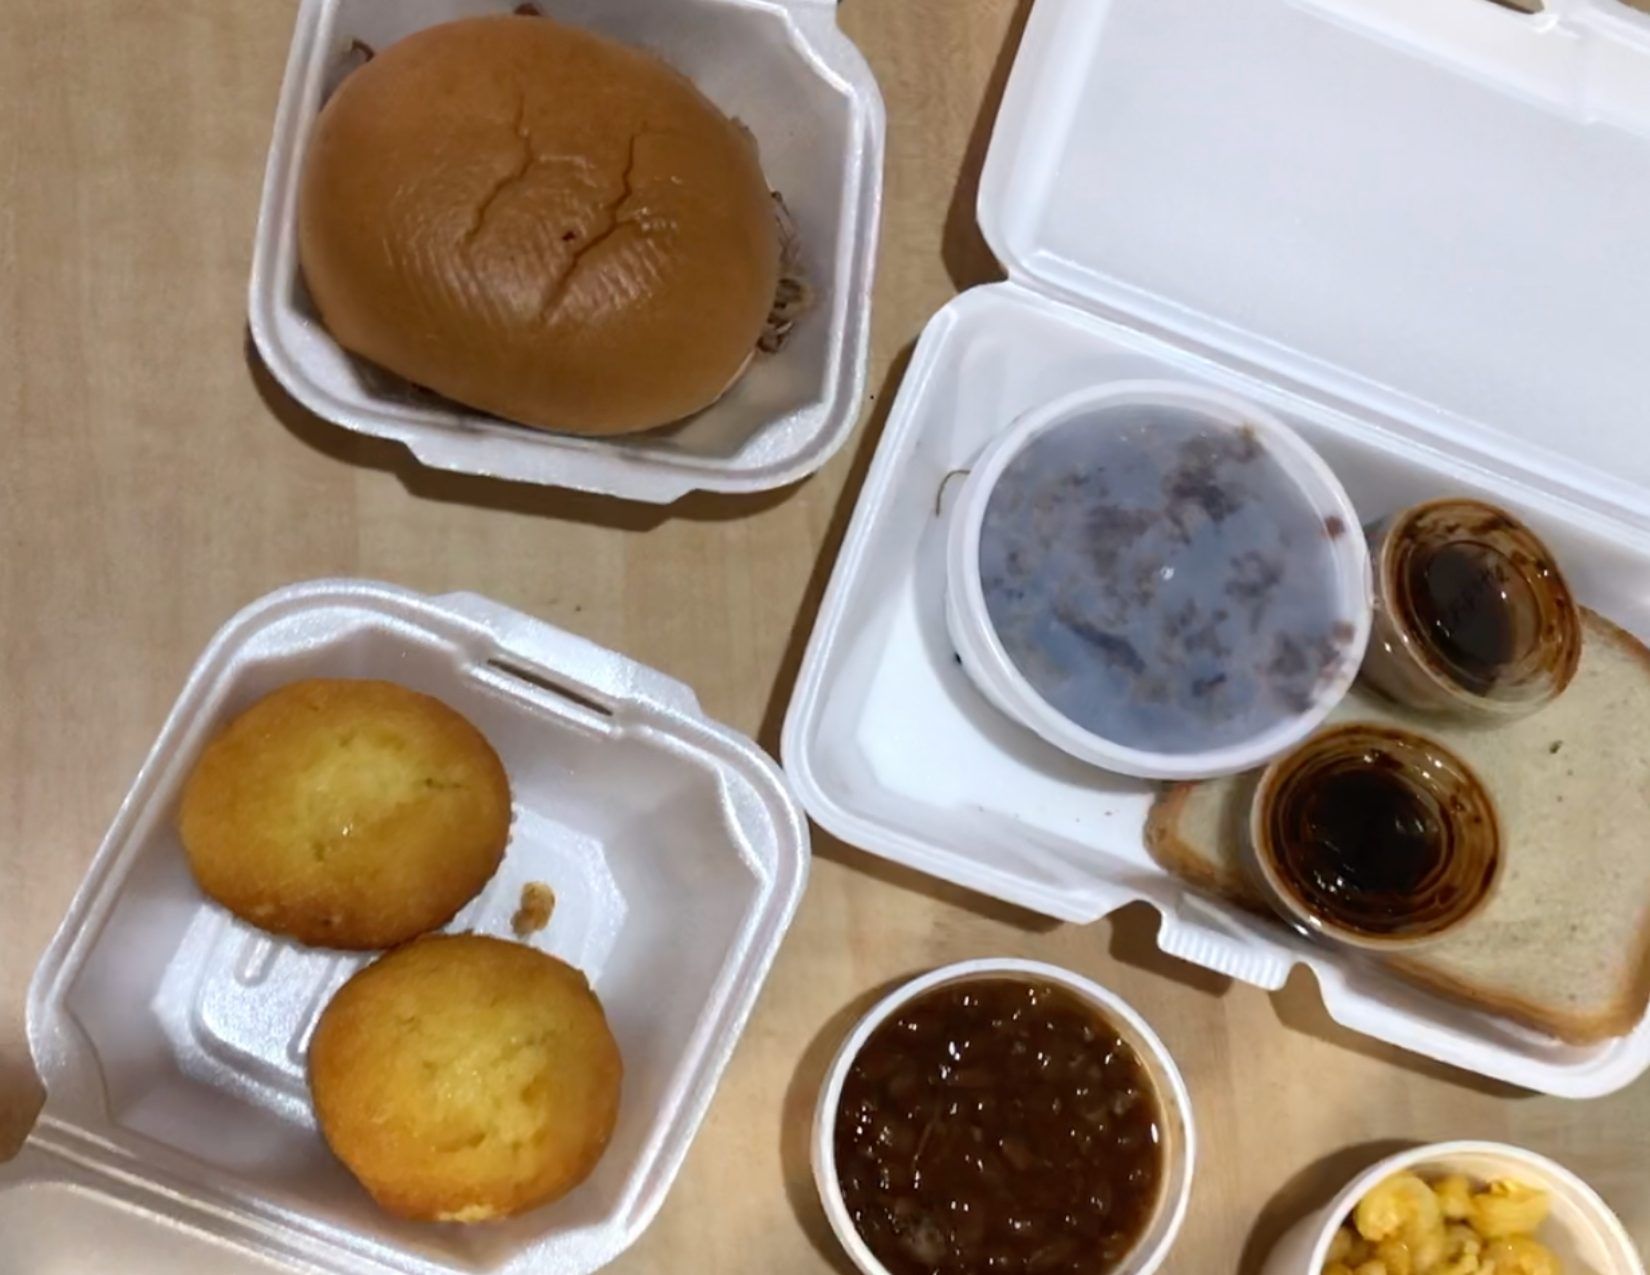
540,223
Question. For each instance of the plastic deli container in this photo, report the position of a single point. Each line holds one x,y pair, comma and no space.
1178,1130
171,1037
784,69
1406,231
985,656
1581,1230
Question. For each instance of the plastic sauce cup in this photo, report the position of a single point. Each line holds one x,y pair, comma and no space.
1473,617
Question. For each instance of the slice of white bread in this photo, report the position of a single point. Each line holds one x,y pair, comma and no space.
1564,945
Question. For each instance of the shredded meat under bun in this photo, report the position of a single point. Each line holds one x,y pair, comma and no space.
541,223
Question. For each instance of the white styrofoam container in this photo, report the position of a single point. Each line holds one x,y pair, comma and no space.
785,70
1581,1230
1412,231
171,1037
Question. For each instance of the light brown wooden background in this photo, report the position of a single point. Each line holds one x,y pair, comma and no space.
152,482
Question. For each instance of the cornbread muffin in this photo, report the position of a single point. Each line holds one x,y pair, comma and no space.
348,814
463,1078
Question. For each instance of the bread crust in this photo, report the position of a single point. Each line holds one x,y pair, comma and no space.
541,223
1175,855
348,814
1628,1009
462,1078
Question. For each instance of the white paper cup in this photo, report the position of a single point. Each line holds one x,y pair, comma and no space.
1581,1230
988,663
1179,1137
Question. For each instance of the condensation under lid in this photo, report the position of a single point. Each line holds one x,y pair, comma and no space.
1430,212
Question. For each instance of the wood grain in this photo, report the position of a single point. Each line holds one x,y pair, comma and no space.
157,482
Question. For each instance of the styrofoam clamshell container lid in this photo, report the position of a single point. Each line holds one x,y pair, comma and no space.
781,67
1406,230
172,1037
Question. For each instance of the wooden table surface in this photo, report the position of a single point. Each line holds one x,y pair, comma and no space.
157,481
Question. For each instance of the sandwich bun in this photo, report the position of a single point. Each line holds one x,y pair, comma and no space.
540,223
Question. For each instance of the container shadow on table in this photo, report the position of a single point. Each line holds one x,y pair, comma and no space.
1299,1008
968,258
1297,1005
1305,1193
21,1094
796,647
968,261
1134,943
497,494
797,1123
864,451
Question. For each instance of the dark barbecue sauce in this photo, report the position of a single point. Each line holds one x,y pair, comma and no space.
1381,833
1362,846
1476,608
999,1125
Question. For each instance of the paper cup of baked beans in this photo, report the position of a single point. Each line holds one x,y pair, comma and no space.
1004,1115
1461,1206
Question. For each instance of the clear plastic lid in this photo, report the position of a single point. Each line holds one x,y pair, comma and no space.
1432,212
